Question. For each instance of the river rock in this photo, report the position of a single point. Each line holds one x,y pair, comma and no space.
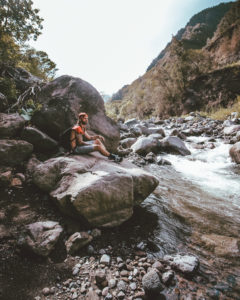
10,125
94,189
144,145
182,262
3,103
105,259
131,122
231,129
41,141
63,99
128,142
154,130
14,152
235,152
76,241
41,237
174,144
222,245
151,283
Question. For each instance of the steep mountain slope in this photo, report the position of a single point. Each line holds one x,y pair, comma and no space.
171,86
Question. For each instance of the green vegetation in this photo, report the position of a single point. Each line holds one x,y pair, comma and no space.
20,22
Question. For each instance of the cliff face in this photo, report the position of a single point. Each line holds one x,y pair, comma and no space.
224,47
198,56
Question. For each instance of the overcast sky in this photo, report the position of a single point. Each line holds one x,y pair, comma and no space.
110,43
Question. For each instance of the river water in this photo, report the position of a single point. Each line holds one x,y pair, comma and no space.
199,192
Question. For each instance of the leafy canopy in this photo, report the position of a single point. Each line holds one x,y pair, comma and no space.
20,20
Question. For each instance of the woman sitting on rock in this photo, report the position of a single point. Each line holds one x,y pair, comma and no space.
94,143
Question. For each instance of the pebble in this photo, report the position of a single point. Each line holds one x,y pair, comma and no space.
108,297
112,283
121,285
121,295
133,286
105,259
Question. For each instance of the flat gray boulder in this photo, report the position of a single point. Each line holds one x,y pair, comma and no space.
10,125
41,237
144,145
235,152
14,152
185,263
63,99
174,144
40,141
94,189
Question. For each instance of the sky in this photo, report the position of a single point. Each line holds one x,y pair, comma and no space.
110,43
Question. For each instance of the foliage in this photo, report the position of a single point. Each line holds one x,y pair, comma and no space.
37,63
8,87
19,20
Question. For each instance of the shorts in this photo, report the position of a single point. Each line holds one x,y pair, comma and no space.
84,149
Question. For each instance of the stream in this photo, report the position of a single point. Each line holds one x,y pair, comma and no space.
197,193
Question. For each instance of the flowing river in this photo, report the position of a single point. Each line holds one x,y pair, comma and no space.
197,193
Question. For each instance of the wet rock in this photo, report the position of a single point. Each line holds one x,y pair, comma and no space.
163,162
145,145
14,152
108,297
235,152
151,283
131,122
77,241
10,125
41,237
174,144
40,141
222,245
184,263
150,157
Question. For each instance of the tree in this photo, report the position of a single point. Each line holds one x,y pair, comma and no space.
38,63
19,20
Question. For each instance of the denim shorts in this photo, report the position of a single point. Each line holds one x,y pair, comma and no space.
85,149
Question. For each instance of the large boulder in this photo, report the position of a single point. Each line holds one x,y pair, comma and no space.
41,237
14,152
144,145
235,152
93,189
174,144
10,125
63,99
41,141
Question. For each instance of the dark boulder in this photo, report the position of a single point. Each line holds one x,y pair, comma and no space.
41,141
14,152
10,125
63,98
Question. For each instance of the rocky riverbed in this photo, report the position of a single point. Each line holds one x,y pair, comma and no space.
169,249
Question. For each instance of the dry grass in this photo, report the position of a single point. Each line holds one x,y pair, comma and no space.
222,113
